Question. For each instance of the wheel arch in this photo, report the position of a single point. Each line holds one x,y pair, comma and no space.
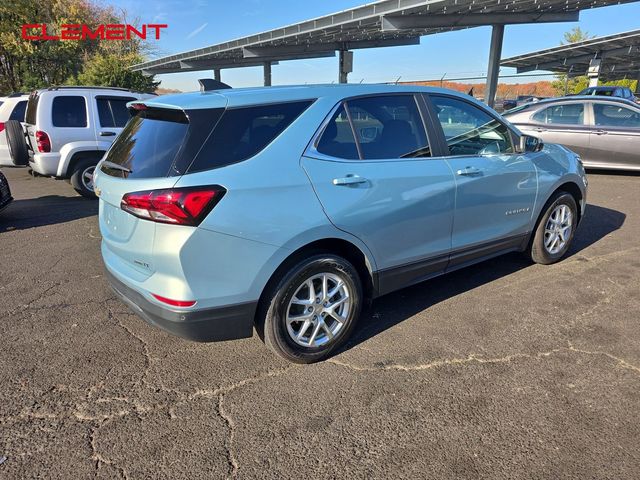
572,189
336,246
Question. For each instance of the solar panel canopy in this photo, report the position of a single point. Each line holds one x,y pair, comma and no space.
619,56
378,24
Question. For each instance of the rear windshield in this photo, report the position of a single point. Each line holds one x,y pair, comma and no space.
32,107
148,145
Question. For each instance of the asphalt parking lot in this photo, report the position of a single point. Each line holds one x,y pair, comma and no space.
502,370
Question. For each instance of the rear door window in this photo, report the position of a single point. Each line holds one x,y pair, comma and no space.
568,114
615,116
112,111
19,111
69,112
388,126
242,133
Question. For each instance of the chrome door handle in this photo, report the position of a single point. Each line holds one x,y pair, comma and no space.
349,180
601,132
469,171
540,129
107,134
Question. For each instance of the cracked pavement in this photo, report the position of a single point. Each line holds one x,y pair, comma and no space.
502,370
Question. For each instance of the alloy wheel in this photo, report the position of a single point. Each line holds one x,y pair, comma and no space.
318,310
558,229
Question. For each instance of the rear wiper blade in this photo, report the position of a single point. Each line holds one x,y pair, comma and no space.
116,166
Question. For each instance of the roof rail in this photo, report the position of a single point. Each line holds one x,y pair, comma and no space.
92,87
16,94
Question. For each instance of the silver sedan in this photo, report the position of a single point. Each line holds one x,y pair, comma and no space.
604,132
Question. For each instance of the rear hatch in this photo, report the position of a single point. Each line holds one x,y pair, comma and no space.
151,153
30,120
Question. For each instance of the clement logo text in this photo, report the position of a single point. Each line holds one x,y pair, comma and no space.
113,31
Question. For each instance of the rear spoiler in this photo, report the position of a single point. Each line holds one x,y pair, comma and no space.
208,84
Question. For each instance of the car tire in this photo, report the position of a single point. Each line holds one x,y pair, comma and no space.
318,333
16,143
80,180
555,229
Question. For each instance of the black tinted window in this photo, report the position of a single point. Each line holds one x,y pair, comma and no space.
112,111
388,126
569,114
243,132
19,111
469,130
69,112
337,139
148,144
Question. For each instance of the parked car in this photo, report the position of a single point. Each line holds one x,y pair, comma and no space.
604,131
619,92
67,131
288,208
12,107
5,192
508,104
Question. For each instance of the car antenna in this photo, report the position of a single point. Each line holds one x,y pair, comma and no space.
397,80
208,84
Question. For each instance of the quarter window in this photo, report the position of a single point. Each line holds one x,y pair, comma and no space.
615,116
68,111
242,133
470,130
112,111
568,114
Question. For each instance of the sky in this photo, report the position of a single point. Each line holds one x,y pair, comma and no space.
199,23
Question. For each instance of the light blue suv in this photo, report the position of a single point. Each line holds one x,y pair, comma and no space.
286,209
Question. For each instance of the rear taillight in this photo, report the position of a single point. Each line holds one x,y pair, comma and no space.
178,206
1,126
43,142
174,303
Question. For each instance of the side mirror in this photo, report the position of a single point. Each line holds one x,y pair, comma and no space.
530,144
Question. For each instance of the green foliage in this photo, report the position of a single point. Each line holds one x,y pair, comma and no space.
26,65
111,70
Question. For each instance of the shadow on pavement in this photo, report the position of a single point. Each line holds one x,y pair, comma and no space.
47,210
396,307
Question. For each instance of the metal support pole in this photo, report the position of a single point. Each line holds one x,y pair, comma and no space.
216,74
267,74
495,52
345,65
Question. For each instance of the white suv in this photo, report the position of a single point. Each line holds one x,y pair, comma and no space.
67,130
12,107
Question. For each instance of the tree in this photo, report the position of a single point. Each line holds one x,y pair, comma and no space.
29,64
112,70
572,85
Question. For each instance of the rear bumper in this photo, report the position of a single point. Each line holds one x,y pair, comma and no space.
45,163
229,322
